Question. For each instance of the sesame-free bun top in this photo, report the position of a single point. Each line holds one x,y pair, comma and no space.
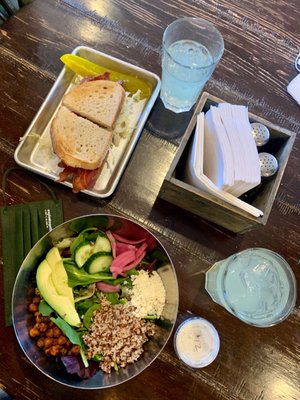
100,101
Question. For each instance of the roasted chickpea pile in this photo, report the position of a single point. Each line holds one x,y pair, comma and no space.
47,335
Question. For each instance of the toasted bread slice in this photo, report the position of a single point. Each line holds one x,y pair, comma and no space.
78,142
99,101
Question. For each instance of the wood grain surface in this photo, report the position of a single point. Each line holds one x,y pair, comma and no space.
262,39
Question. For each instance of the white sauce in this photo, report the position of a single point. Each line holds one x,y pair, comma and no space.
197,342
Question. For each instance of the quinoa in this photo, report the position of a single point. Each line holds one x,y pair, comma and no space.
117,335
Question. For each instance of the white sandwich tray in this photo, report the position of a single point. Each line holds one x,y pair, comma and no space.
34,151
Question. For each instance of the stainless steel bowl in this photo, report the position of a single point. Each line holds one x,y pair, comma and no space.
24,284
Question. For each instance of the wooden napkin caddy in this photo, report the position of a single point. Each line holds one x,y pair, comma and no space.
176,191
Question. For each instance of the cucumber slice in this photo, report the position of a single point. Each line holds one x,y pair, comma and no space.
82,236
82,253
102,243
98,262
88,247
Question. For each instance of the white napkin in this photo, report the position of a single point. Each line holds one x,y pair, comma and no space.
218,159
237,144
251,174
231,159
293,88
194,171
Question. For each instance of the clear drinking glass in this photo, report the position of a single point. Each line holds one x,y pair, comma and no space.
256,285
191,49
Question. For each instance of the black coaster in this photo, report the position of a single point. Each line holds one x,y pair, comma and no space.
167,124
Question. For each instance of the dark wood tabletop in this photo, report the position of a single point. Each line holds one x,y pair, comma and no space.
262,40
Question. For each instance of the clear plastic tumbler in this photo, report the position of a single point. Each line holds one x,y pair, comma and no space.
256,285
191,49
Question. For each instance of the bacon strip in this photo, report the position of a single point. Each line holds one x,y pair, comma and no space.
84,179
102,77
81,178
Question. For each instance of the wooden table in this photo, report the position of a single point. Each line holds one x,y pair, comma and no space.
262,41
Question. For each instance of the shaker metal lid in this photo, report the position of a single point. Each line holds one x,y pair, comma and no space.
196,342
260,134
268,165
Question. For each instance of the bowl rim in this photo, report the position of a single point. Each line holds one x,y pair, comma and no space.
22,267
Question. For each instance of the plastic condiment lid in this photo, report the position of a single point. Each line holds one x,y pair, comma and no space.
196,342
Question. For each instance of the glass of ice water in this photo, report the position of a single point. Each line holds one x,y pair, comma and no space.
256,285
191,49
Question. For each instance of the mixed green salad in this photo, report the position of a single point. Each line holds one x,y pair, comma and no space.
84,284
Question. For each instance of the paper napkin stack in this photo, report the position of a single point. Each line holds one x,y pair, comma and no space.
293,88
223,159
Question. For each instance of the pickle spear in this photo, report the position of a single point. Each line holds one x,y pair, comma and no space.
84,67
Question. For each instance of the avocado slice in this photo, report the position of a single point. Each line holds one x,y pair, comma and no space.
60,303
59,274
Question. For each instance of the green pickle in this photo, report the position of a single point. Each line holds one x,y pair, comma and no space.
84,67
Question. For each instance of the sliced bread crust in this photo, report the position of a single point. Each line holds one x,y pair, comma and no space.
99,101
78,142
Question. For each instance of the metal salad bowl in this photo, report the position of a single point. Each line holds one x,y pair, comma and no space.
24,284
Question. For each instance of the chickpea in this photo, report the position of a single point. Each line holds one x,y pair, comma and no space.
62,340
49,333
56,332
38,316
42,327
47,351
55,350
64,351
41,342
33,332
36,300
33,307
48,342
75,350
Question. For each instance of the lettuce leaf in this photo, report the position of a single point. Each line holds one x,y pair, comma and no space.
72,335
78,276
129,115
